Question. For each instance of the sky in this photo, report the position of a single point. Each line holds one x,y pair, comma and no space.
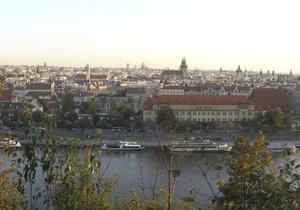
255,34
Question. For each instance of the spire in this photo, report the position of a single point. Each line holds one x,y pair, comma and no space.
38,69
183,67
88,72
239,70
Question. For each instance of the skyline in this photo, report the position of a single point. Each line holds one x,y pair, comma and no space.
210,34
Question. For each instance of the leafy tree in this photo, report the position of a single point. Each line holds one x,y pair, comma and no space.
166,116
38,116
287,194
251,177
121,115
75,188
10,197
229,125
68,103
288,120
213,124
131,203
93,108
278,118
26,115
257,121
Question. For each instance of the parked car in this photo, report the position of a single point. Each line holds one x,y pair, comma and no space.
40,128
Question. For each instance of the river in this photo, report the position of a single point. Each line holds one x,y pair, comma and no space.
128,167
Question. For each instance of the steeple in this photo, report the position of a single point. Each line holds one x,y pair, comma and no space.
38,69
183,68
239,70
88,72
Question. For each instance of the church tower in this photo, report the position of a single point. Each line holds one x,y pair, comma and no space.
183,68
88,72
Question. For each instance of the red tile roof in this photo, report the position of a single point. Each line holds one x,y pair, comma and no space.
6,95
196,100
38,86
265,98
137,90
93,77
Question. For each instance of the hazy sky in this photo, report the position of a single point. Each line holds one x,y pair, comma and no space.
256,34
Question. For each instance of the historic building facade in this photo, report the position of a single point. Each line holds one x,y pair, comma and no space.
201,108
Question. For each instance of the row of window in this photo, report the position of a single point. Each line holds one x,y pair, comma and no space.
208,119
209,113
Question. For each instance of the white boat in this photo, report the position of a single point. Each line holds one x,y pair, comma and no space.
9,143
122,146
282,147
200,146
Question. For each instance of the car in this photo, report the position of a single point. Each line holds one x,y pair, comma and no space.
40,128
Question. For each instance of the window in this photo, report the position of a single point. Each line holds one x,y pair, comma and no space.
250,113
194,113
182,112
203,113
224,113
235,113
224,119
212,113
243,113
230,113
218,113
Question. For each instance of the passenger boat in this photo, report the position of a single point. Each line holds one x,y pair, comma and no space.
200,146
122,146
289,148
9,143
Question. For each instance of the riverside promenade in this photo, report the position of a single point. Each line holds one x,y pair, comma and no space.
150,138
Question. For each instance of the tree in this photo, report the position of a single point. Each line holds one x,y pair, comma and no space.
38,117
278,118
229,125
166,116
288,120
68,102
257,121
213,124
93,108
76,189
251,176
121,115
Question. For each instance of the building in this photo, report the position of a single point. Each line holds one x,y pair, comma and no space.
201,108
176,74
269,98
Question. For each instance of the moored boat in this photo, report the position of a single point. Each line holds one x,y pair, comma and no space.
9,143
122,146
200,146
289,148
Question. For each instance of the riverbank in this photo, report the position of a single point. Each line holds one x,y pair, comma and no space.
150,139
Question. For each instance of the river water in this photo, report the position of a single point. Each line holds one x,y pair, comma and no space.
128,167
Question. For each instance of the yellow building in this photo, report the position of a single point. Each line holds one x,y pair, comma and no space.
201,108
